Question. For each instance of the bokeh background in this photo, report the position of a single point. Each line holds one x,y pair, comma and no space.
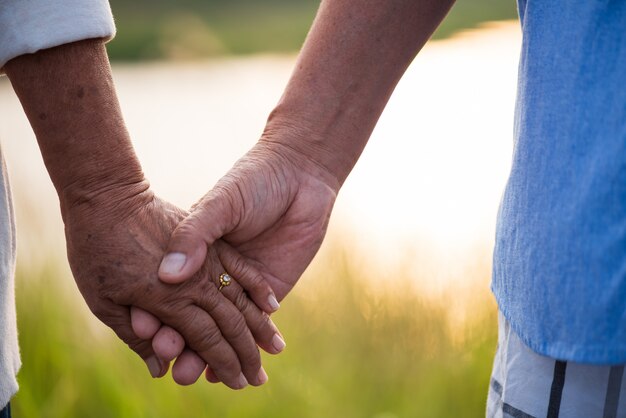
393,319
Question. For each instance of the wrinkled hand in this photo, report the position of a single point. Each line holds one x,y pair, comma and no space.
273,207
115,246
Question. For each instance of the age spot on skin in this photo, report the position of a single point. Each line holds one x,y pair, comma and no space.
43,116
102,279
81,92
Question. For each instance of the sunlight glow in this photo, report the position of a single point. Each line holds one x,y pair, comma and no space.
429,182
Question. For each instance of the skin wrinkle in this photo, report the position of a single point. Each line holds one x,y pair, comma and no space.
110,213
259,267
323,171
209,289
91,201
330,50
351,61
316,101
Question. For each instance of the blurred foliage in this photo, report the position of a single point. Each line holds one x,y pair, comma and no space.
354,350
167,29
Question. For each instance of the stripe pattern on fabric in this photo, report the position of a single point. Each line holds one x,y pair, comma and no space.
525,384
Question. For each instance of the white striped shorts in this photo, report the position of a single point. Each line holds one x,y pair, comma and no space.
525,384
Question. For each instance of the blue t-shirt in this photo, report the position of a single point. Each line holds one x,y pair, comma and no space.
559,271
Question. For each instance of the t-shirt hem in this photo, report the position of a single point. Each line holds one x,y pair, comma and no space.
586,354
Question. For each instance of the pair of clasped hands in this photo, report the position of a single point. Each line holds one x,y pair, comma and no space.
150,270
262,224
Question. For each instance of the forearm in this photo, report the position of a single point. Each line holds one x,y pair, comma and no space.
69,98
353,58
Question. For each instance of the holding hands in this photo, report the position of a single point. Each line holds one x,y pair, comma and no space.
274,213
117,231
151,271
114,248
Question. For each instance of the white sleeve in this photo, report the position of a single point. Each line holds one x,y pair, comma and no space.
26,26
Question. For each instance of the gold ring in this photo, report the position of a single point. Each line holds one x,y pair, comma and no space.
225,280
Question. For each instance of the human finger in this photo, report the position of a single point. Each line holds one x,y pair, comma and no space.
187,247
167,343
210,375
265,333
203,336
144,324
230,321
187,368
248,276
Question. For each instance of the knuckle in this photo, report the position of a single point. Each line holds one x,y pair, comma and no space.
207,340
265,323
256,283
251,358
208,298
248,276
238,266
208,288
240,300
256,319
173,304
229,365
262,327
185,321
237,327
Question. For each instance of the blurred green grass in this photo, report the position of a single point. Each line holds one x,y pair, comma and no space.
166,29
354,350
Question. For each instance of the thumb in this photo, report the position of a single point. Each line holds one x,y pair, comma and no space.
187,248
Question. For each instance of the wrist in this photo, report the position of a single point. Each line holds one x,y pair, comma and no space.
68,95
313,141
122,193
105,171
292,145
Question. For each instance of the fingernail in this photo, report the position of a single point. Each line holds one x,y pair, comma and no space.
242,381
278,343
262,376
154,365
173,263
273,302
